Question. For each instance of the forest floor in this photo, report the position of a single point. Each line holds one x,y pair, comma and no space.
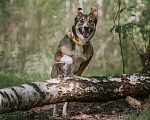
110,110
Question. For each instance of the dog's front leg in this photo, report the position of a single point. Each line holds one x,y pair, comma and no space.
67,68
68,61
64,67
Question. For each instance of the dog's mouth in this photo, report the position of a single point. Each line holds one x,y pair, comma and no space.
85,32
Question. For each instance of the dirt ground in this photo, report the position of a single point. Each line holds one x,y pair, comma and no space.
119,109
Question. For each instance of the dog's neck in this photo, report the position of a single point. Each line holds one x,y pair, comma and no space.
76,41
78,37
81,39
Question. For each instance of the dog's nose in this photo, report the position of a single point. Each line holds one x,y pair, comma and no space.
86,27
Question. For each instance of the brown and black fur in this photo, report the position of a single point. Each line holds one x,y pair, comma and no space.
67,41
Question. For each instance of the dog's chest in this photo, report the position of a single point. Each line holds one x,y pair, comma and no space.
77,53
78,57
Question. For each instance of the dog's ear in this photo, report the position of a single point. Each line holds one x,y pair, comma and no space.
79,11
94,12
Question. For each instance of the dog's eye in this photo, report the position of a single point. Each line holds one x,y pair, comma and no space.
82,20
90,21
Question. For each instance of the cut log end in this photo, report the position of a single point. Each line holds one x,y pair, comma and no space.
133,102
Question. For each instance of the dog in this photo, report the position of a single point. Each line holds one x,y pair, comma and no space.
75,50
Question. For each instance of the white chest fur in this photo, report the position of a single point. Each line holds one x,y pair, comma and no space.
77,56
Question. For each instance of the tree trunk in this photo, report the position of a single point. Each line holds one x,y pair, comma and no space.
75,89
145,59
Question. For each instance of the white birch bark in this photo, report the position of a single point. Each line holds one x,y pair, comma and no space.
75,89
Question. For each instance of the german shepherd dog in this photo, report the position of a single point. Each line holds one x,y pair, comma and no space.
75,50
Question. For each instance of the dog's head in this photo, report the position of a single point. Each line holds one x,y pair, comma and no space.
85,24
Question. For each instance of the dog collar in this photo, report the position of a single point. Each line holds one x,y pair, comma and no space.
77,42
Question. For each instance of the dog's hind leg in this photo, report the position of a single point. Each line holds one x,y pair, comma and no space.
55,112
65,109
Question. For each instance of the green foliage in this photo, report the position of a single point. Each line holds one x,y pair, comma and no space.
130,8
131,29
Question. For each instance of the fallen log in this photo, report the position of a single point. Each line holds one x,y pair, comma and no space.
73,89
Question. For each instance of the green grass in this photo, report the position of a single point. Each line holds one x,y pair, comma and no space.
14,116
12,79
143,115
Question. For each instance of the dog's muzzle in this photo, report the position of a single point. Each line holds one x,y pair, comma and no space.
86,31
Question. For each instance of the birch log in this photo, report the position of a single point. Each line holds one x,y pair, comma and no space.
75,89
